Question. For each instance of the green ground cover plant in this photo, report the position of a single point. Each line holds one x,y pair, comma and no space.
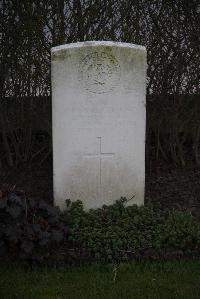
34,232
119,232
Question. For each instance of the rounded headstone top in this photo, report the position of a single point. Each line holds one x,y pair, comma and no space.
97,43
99,66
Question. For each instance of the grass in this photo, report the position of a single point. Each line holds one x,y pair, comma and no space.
151,280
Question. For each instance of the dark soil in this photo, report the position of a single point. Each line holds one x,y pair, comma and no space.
169,185
36,181
174,186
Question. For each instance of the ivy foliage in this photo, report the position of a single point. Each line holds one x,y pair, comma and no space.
118,232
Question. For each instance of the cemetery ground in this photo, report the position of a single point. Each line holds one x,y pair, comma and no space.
167,280
171,186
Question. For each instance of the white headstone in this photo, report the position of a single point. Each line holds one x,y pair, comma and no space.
99,119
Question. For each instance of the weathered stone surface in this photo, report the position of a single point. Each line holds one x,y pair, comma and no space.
98,122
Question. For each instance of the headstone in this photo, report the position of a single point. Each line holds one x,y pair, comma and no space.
98,122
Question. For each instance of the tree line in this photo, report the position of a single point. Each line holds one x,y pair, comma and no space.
170,30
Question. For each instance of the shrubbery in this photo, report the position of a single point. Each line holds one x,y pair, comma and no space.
118,233
35,231
29,229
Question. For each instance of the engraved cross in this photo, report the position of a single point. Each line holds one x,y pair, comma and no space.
100,155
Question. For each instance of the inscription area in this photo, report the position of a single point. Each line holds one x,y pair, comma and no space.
100,155
99,72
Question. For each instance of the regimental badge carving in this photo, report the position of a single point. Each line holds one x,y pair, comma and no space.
99,72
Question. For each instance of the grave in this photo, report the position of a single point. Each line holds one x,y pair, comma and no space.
99,119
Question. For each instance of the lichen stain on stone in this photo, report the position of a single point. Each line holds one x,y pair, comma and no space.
61,55
66,53
133,59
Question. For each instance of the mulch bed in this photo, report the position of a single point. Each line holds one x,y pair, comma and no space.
174,186
169,185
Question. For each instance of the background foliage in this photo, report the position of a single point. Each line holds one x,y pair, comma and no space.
169,30
172,132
